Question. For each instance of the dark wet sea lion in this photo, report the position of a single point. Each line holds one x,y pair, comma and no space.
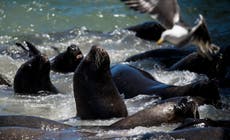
20,133
196,63
196,123
165,112
24,133
165,56
95,93
214,133
125,75
209,133
30,127
68,60
33,77
148,31
31,122
217,68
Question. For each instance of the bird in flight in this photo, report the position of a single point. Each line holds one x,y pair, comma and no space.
177,32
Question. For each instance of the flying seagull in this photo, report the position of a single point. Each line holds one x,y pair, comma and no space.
167,12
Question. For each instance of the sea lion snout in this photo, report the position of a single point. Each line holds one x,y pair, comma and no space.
187,108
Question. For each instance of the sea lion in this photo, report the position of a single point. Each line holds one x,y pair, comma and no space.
217,68
68,60
169,111
33,77
31,122
150,31
164,56
206,122
95,93
125,75
196,63
214,133
30,127
22,133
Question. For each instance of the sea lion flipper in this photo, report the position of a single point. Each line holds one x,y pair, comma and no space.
20,45
33,51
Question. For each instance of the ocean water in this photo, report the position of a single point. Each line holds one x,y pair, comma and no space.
60,23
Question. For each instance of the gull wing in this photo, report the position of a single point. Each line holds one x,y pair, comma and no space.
167,12
201,38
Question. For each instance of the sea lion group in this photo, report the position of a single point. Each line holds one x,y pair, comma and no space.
98,88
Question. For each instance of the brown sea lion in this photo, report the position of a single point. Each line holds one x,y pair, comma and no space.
169,111
194,123
165,56
95,93
215,133
217,68
31,122
33,77
68,60
132,81
30,127
22,133
209,133
196,63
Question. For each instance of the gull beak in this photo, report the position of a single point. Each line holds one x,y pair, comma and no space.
160,41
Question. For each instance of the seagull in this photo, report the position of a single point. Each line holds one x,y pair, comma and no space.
177,32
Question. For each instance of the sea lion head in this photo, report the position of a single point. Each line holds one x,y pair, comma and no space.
187,109
68,60
98,58
75,53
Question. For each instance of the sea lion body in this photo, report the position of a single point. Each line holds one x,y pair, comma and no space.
33,77
214,133
196,123
31,122
30,127
95,93
165,112
217,68
132,81
164,56
196,63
